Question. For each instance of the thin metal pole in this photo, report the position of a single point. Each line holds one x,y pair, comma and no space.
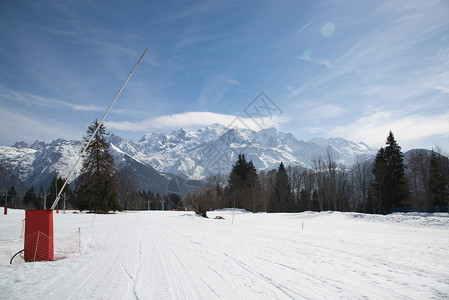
6,204
56,186
95,132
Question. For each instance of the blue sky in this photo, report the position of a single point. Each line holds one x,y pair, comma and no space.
351,69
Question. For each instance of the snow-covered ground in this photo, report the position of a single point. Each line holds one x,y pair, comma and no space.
177,255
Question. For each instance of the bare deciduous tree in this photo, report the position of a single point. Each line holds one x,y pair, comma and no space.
127,186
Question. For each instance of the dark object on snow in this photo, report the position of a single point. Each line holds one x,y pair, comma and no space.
219,218
20,252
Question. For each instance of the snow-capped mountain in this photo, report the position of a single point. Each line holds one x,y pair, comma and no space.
38,163
188,154
212,150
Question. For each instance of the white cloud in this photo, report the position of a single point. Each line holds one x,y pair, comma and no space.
444,90
373,128
191,120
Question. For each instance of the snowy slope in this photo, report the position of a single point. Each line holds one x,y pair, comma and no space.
176,255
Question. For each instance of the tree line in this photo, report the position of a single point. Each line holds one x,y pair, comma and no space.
41,199
384,185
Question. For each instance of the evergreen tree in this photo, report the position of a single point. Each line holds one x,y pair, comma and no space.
31,200
396,189
41,195
96,187
237,177
390,183
253,191
378,170
282,197
145,199
13,198
173,201
243,186
151,197
158,200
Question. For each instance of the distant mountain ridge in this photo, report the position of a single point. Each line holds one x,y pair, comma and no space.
182,156
197,154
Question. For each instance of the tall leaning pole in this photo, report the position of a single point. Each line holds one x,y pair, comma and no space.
95,132
39,223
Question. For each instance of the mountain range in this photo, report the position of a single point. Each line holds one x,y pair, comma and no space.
177,161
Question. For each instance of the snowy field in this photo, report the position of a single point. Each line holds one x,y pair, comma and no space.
177,255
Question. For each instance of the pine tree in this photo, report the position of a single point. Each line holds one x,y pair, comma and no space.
243,186
13,197
237,177
390,184
396,189
31,200
151,197
96,187
282,198
158,200
253,198
41,195
378,171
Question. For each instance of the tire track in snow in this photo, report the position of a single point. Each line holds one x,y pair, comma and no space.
138,266
89,283
322,271
336,257
370,266
183,269
285,290
290,292
164,286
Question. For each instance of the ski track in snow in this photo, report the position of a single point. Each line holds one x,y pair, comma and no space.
177,255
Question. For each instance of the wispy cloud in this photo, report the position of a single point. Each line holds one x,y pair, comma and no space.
190,39
48,102
444,90
387,51
214,89
316,60
18,125
196,9
328,111
396,66
303,27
